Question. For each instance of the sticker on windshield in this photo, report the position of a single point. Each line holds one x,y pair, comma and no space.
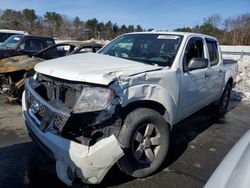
168,37
16,38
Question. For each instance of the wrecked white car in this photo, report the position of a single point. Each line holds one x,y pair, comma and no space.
90,111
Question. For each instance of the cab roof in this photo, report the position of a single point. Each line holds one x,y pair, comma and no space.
14,31
185,34
32,36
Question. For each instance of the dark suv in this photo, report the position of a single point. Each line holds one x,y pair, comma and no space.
24,45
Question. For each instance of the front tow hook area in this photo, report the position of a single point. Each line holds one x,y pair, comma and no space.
89,164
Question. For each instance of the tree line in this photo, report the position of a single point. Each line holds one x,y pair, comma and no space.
230,31
233,31
60,26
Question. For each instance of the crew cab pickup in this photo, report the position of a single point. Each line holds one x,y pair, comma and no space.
91,111
24,45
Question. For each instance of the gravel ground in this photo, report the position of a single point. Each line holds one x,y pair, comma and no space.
198,144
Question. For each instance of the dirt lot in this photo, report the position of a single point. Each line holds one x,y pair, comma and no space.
199,143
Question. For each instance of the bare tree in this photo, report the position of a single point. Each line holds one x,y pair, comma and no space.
30,17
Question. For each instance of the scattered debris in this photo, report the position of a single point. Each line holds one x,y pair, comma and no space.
212,149
192,146
197,165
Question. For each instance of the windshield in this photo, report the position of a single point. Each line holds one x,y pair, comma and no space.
4,36
11,42
159,49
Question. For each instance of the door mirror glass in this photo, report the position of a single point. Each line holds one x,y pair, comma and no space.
197,63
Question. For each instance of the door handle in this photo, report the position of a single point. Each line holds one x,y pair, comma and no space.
206,76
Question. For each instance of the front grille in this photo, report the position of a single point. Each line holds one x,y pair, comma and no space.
50,102
46,112
58,122
54,88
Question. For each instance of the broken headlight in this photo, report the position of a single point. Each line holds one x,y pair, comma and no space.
94,99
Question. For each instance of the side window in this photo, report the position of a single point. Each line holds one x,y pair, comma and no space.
213,52
64,50
194,49
86,49
55,51
32,45
50,42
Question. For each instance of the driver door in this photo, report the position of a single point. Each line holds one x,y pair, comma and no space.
194,92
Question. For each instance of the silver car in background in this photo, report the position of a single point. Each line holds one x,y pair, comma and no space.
234,170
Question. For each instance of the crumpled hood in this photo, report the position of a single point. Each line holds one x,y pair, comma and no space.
92,68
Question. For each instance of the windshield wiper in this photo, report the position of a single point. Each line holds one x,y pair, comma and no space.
144,61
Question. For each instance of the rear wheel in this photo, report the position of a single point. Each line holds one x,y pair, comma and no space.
145,139
223,102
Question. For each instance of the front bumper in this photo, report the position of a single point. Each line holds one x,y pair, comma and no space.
74,160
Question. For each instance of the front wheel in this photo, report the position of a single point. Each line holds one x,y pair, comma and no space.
145,139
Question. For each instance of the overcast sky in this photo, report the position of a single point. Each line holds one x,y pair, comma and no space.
157,14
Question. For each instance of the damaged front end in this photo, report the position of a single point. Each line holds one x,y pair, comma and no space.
77,122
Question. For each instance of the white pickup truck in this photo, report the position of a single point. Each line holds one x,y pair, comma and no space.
90,111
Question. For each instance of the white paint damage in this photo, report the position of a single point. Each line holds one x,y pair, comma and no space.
91,67
152,86
85,161
133,81
88,163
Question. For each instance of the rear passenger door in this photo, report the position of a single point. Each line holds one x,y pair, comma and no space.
215,70
194,92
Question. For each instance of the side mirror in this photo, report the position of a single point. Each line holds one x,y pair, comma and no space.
197,63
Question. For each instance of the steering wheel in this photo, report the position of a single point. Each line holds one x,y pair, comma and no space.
165,56
118,52
121,52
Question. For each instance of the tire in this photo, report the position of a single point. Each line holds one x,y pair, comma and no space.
223,102
145,139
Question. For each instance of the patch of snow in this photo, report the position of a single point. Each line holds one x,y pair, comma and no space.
241,92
